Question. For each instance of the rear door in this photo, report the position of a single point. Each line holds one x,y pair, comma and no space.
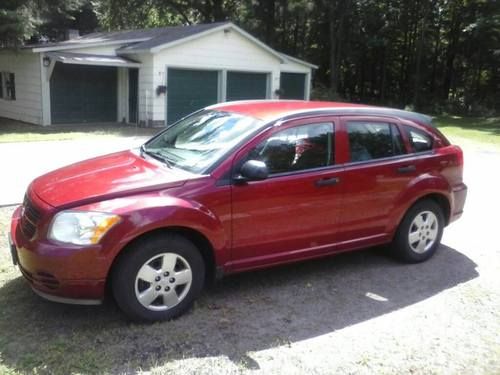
378,170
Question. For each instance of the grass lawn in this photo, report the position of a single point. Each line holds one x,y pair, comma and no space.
16,131
483,130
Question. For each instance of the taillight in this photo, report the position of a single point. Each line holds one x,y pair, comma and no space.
460,156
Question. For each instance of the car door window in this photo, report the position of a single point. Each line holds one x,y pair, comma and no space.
419,140
374,140
295,149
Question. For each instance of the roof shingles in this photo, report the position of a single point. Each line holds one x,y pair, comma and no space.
143,39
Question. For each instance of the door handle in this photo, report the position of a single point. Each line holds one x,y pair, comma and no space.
407,169
327,181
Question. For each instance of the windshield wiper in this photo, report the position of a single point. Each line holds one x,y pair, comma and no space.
155,155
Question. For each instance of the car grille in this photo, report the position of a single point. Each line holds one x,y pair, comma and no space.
29,220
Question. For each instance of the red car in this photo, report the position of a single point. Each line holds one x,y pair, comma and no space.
235,187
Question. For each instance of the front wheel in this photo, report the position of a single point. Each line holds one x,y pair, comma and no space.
420,232
158,278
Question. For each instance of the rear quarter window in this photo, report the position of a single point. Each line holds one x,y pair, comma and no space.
420,141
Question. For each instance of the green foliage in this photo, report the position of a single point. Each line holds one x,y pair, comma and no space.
437,55
21,20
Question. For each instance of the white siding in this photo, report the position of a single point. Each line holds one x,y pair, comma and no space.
146,88
217,51
28,104
293,67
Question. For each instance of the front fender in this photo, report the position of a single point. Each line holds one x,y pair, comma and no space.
142,214
418,188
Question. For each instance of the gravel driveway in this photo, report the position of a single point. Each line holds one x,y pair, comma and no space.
359,313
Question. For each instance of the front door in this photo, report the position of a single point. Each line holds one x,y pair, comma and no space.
293,213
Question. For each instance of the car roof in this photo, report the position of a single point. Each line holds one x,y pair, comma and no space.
269,110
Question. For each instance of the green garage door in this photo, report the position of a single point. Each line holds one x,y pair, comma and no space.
190,90
83,93
243,86
293,86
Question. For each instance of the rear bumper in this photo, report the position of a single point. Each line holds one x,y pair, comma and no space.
459,194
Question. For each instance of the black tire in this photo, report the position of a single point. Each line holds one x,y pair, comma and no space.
150,254
401,245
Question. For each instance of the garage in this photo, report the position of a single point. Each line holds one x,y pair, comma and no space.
189,90
244,86
148,77
83,93
292,85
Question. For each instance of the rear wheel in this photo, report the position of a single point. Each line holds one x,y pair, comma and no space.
158,278
420,232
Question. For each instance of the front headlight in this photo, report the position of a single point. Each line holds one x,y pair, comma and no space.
81,227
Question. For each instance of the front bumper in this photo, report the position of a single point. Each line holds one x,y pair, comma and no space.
67,274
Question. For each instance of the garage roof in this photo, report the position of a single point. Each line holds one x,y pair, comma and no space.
131,37
154,40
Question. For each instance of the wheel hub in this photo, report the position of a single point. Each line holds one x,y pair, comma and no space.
163,281
423,232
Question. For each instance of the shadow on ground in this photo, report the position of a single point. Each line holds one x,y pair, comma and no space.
243,313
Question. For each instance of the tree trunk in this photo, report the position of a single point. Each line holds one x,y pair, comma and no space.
333,53
418,59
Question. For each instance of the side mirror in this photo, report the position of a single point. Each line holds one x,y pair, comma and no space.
253,170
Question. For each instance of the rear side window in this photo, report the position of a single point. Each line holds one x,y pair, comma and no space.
419,140
374,140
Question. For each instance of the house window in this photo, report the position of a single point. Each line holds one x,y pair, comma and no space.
9,83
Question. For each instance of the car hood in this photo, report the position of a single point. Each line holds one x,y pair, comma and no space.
105,177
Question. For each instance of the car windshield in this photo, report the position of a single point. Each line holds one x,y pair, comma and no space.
198,141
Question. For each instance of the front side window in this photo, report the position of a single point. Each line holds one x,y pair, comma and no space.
373,140
419,140
296,149
196,142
